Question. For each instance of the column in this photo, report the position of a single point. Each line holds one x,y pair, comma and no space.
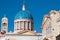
26,25
29,25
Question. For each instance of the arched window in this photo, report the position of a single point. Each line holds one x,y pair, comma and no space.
4,24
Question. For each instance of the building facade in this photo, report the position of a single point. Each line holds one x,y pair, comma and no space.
23,27
51,25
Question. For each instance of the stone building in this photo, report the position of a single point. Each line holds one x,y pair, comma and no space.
51,25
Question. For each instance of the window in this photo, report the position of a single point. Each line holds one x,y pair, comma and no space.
4,24
28,25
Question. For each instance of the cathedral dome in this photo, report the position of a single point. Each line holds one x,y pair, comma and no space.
23,15
23,20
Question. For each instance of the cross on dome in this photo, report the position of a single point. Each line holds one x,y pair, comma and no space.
23,7
24,14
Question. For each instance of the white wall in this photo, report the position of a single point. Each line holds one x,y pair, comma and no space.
19,37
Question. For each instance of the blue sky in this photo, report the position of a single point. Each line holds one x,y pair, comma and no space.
38,9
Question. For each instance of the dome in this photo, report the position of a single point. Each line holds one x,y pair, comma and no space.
23,15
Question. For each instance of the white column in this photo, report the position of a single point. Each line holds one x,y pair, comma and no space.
30,25
26,25
16,26
23,25
19,24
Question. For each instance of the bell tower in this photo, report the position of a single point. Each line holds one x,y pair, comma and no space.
4,24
